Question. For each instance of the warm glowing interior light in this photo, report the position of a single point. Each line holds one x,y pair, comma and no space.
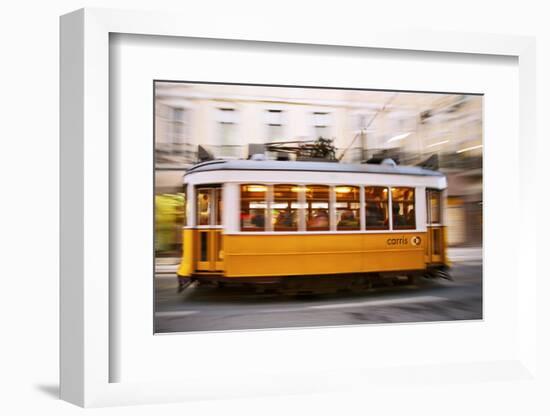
256,188
342,189
298,189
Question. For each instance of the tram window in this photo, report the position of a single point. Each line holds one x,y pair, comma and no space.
204,206
434,200
376,208
317,205
347,207
253,207
403,208
285,207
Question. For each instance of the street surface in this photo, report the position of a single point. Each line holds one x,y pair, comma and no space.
203,308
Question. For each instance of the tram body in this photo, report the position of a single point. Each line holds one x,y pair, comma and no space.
261,221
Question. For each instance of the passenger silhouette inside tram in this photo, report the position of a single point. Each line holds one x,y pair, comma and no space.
411,217
285,218
258,220
399,220
375,214
319,219
348,219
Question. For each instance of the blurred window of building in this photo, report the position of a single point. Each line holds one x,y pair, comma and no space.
403,211
285,207
376,208
321,124
227,131
179,125
275,125
361,120
358,136
253,207
347,207
163,134
318,207
180,132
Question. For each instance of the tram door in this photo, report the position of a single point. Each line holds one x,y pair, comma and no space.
434,249
209,245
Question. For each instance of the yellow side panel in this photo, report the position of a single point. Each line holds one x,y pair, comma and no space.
186,265
272,255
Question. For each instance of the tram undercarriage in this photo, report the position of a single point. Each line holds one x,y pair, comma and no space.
317,284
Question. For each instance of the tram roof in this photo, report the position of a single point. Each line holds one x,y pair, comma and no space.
279,165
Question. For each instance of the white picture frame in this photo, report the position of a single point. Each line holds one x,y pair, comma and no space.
85,220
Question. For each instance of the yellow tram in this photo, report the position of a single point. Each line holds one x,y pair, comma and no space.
263,221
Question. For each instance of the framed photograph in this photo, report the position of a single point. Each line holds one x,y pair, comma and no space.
279,213
347,199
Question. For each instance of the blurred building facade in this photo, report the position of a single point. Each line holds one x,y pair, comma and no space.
409,127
